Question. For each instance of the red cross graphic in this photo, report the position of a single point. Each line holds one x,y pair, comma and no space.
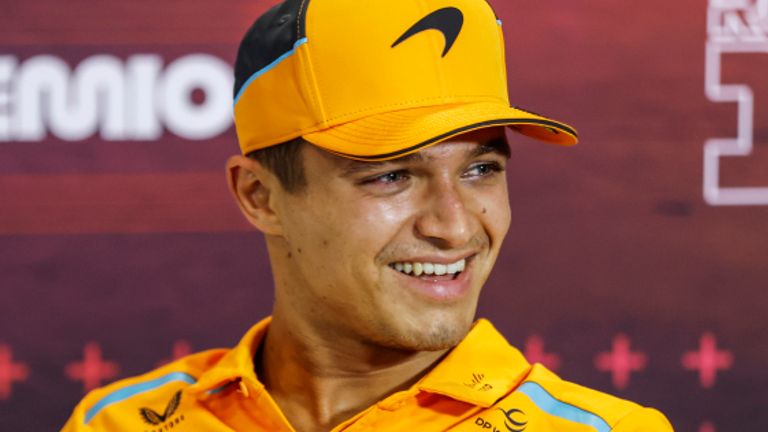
10,372
92,370
181,348
707,427
621,361
707,360
534,352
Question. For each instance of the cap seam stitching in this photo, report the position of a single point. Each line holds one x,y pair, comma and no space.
314,89
298,19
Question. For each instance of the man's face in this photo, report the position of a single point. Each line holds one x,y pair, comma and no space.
356,238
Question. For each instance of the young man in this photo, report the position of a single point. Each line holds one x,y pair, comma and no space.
374,149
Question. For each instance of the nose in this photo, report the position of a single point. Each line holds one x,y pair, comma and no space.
445,219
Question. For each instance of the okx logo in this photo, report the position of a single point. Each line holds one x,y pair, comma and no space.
152,417
733,27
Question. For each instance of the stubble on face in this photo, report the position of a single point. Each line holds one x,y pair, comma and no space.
348,240
427,326
436,336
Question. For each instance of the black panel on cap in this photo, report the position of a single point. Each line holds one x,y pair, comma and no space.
272,35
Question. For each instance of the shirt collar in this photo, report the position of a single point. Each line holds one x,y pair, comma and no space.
481,369
236,364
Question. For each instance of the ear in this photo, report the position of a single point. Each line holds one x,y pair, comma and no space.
254,188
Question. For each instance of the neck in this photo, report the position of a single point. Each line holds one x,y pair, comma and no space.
319,380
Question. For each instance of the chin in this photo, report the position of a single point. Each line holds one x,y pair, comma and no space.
436,334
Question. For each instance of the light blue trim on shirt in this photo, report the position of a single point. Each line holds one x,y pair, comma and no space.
547,403
269,67
133,390
219,389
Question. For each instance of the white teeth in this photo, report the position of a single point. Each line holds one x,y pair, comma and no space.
418,269
440,269
426,268
429,268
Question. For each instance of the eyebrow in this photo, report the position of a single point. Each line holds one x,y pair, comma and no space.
354,166
497,145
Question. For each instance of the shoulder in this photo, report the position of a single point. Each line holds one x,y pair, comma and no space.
561,399
143,400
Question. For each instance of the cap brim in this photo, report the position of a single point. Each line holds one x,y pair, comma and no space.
398,133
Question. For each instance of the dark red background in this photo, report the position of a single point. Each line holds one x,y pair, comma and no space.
136,245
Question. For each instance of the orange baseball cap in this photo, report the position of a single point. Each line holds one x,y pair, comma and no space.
377,79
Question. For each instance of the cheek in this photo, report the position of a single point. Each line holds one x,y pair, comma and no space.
496,213
308,230
343,233
384,215
371,227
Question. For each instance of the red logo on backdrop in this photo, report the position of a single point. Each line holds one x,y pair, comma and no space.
621,361
10,372
93,369
707,360
535,353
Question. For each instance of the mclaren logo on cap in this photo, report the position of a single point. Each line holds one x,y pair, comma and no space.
447,20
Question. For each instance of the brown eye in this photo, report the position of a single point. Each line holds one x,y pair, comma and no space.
388,178
483,169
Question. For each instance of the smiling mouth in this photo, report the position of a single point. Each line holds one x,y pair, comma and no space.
431,271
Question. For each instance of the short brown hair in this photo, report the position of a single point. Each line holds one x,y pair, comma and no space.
285,162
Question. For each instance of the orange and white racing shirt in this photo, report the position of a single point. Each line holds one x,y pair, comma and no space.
482,385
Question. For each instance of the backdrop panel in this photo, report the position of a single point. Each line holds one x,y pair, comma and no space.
636,263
